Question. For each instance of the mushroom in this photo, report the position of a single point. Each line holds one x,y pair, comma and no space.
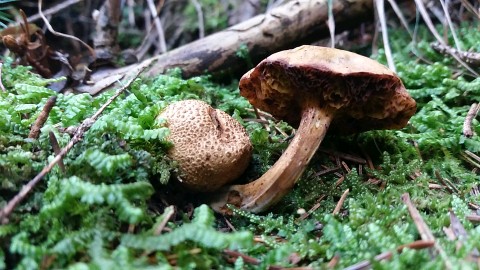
210,147
317,89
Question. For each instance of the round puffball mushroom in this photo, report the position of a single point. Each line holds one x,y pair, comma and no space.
210,147
316,89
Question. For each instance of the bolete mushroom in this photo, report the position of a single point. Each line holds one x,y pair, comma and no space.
210,147
317,89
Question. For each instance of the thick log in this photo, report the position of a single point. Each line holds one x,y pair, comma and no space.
287,26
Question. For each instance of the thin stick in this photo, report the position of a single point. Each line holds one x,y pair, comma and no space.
423,229
379,5
450,24
245,258
158,26
326,171
201,24
420,244
313,209
229,224
56,149
467,124
331,23
339,181
333,262
447,182
54,9
168,213
474,218
1,83
400,16
84,126
344,156
340,202
50,28
42,118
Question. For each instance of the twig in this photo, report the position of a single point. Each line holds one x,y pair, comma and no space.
158,26
333,262
313,209
201,24
400,16
340,202
379,6
42,118
245,258
447,183
1,83
449,22
474,218
472,161
460,233
62,5
344,156
345,166
167,214
467,124
257,114
426,18
326,171
50,28
339,181
229,224
472,58
420,244
423,229
84,126
368,158
56,149
331,23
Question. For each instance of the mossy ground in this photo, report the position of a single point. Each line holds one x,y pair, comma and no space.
105,210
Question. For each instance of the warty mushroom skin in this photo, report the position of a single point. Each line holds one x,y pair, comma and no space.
316,89
210,147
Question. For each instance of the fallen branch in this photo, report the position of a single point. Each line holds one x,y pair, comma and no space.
84,126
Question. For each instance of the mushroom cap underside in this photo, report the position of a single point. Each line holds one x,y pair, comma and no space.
210,147
365,94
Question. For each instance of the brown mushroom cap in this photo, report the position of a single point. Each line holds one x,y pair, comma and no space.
365,94
210,146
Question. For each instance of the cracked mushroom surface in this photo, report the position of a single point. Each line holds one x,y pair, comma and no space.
210,147
316,89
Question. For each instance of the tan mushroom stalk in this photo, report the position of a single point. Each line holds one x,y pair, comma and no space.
210,147
318,89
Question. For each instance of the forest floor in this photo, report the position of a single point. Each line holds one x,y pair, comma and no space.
389,199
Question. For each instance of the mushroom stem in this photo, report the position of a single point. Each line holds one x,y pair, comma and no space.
258,195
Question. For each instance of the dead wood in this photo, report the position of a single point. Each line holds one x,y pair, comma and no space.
292,24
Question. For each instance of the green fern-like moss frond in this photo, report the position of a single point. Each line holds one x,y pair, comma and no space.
199,231
120,196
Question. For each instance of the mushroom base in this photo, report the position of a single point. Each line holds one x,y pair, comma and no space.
260,194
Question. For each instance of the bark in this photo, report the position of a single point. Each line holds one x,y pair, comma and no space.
287,26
